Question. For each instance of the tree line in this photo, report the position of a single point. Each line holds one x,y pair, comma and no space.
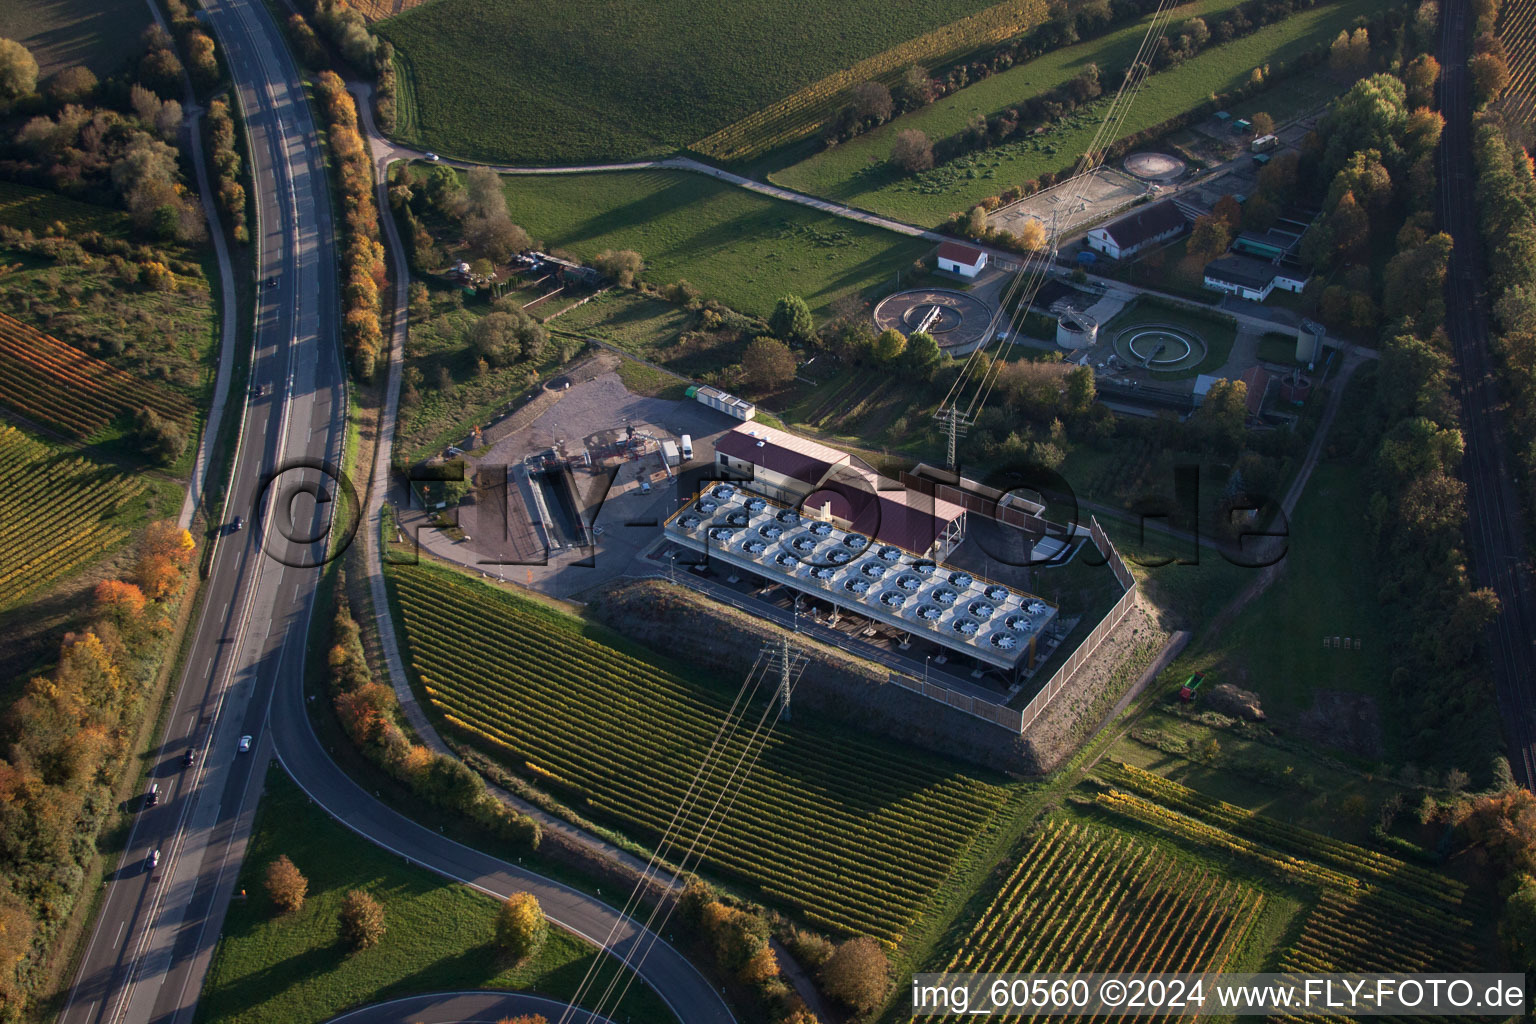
369,714
66,742
363,274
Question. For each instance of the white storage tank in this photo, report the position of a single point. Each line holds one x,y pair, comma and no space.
1075,330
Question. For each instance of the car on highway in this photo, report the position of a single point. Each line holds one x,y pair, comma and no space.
234,527
271,282
245,744
154,860
189,759
153,796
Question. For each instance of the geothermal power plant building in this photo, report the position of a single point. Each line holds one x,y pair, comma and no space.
823,523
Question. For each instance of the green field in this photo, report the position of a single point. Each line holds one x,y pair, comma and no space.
1275,647
857,173
293,969
853,834
101,34
541,81
736,246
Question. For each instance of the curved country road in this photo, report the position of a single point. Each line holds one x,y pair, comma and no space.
463,1008
153,940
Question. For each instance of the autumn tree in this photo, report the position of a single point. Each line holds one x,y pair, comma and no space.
976,222
872,101
286,886
768,363
521,927
912,151
622,266
1209,238
119,599
71,85
1262,123
858,974
1032,235
791,320
1490,77
165,554
737,937
362,920
915,88
18,70
1421,75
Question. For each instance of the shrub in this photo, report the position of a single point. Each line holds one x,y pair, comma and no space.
913,151
791,320
286,885
362,920
858,974
768,363
623,266
521,927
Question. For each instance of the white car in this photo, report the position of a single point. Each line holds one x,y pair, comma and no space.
154,860
432,158
245,744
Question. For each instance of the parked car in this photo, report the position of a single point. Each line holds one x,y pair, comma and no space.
245,744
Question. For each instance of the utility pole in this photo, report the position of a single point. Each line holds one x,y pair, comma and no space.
784,652
785,655
955,424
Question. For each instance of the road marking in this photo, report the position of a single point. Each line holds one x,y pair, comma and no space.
119,938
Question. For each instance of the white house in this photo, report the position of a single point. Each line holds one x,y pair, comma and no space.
1144,227
961,259
1253,279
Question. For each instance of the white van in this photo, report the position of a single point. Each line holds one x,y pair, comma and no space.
687,447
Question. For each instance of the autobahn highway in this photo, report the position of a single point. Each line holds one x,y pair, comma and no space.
1496,527
149,952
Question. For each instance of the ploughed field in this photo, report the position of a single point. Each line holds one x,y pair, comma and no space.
853,834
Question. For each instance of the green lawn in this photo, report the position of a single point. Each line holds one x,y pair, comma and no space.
857,173
555,81
101,34
275,969
1275,646
736,246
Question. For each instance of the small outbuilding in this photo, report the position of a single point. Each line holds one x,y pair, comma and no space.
964,260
